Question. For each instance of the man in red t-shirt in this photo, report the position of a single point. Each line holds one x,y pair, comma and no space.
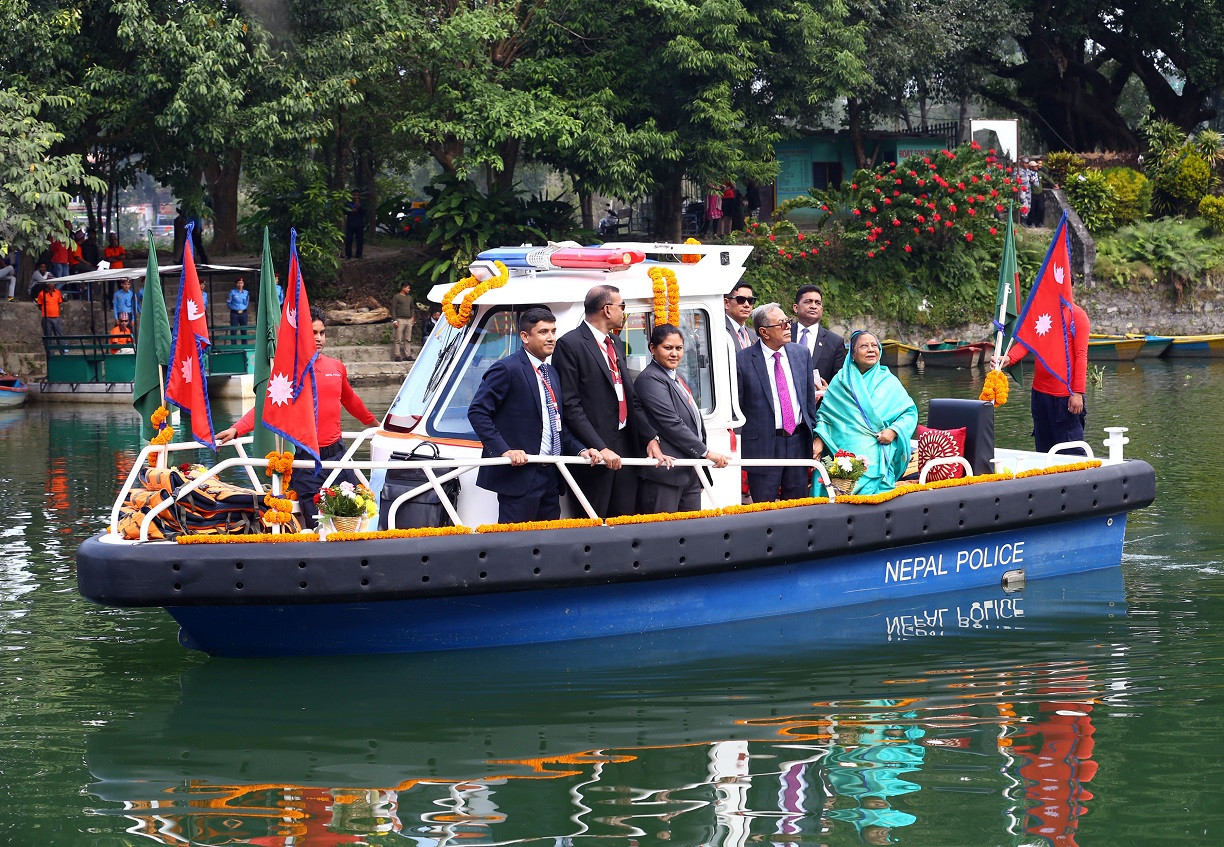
1059,413
334,391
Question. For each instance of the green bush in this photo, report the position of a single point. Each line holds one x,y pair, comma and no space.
1211,209
1132,193
1092,198
1060,165
1180,183
1177,251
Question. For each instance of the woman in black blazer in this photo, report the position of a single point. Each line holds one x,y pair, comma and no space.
662,396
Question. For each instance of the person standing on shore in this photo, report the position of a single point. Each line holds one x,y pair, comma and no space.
354,226
239,300
402,314
50,301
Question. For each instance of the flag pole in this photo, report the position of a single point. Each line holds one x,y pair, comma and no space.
998,345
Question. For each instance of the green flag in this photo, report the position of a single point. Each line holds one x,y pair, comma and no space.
1009,283
266,324
152,347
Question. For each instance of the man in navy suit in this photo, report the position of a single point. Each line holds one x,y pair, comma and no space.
517,412
827,348
597,403
778,399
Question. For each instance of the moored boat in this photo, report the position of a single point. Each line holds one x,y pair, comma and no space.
1114,349
1154,346
898,354
1019,516
13,390
952,354
1195,347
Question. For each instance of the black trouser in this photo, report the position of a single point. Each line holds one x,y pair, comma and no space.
307,481
611,493
352,234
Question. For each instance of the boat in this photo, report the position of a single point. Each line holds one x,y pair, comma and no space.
952,354
1153,347
13,390
1195,347
1114,349
898,354
470,583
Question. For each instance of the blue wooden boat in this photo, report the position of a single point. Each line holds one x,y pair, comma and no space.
1153,346
1114,349
560,582
13,391
1195,347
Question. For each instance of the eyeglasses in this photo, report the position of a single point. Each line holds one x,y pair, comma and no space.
771,326
742,300
620,305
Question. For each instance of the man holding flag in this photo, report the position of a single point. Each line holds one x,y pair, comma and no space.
305,394
1055,330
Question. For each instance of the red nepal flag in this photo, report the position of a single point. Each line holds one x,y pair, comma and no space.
291,405
186,384
1045,324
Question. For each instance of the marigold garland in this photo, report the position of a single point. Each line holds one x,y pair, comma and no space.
995,388
165,434
280,509
666,296
1077,466
258,538
420,532
563,523
658,517
458,318
691,258
774,504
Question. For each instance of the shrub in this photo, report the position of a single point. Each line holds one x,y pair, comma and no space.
1132,193
1211,209
1093,199
1060,165
1178,251
1180,183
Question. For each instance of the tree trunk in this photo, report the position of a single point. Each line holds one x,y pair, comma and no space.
669,209
366,183
586,202
222,175
337,174
446,152
509,155
854,116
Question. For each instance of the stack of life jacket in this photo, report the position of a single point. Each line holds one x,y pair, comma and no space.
214,508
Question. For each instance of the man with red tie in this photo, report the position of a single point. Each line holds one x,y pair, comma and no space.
738,305
597,403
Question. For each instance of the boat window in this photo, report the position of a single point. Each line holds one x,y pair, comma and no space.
431,365
695,368
496,337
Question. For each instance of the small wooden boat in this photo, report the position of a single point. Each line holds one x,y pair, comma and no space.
1195,347
952,354
1115,349
13,391
1153,347
897,354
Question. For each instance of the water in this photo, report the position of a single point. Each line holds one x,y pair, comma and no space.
1086,712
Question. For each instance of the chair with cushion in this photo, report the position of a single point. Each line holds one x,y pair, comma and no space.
977,417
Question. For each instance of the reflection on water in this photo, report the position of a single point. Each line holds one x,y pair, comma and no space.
1085,710
723,735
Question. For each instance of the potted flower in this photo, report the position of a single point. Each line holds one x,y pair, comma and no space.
844,470
345,508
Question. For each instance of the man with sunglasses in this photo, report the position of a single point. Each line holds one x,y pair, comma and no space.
597,403
738,306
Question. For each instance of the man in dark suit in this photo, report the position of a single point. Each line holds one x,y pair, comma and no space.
516,412
668,404
778,399
737,306
597,403
827,348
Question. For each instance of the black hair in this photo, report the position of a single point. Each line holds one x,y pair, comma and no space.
598,297
316,314
808,289
536,314
662,332
737,287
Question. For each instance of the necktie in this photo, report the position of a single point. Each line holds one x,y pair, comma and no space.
743,336
622,410
803,337
784,397
550,403
693,410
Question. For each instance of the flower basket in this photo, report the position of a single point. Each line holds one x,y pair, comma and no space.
844,470
842,485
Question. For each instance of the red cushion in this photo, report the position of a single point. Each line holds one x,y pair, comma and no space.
941,444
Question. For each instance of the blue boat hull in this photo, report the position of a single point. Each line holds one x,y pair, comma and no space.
588,611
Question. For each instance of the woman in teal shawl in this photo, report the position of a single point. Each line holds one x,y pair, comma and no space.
867,411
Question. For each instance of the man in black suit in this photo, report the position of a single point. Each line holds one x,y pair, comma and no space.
827,348
778,399
597,403
516,412
737,306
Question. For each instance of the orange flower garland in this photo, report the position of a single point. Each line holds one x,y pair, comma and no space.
564,523
1077,466
775,504
691,258
659,517
458,318
995,388
666,296
280,509
420,532
258,538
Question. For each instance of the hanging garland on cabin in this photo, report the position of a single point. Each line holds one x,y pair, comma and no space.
458,318
666,296
280,509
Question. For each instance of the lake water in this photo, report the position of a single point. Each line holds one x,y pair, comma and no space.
1085,711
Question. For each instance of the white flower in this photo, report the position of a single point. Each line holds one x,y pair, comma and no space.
347,487
845,463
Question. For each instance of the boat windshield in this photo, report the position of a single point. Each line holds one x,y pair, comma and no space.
496,337
435,359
